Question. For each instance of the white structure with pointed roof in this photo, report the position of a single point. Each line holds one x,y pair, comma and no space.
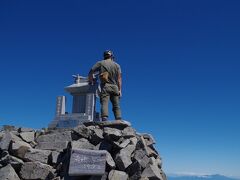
83,105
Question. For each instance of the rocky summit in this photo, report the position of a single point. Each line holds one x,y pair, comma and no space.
110,150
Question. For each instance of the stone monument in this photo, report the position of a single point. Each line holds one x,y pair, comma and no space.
87,162
83,105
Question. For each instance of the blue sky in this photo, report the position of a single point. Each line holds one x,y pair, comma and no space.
180,64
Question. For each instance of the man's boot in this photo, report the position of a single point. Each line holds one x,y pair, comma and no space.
104,118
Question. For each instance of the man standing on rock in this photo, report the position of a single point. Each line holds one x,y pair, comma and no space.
111,84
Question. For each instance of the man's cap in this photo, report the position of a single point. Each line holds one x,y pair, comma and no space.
108,53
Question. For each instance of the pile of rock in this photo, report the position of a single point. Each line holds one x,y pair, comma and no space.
44,154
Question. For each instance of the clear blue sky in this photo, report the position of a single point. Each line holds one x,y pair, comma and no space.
180,63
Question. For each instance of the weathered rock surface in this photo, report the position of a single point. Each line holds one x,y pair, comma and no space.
82,131
36,170
134,171
58,146
55,137
27,136
54,157
97,136
8,173
117,124
128,132
110,161
122,143
112,134
152,172
37,155
117,175
19,148
7,138
123,159
14,161
22,129
27,154
82,144
150,140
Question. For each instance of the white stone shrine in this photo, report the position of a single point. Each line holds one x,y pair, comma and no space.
83,105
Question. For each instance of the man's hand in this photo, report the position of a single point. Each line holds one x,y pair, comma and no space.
90,78
120,93
120,84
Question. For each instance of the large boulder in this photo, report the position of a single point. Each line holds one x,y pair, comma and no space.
54,140
27,136
134,171
152,172
117,175
8,173
36,170
37,155
149,139
19,148
7,138
24,129
123,159
122,143
110,162
15,162
54,146
129,132
55,157
141,157
82,131
55,137
82,144
112,134
97,135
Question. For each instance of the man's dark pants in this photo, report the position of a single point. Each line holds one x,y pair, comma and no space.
110,91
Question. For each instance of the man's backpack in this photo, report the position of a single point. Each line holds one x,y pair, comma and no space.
104,77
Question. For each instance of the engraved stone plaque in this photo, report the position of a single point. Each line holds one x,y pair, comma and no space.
87,162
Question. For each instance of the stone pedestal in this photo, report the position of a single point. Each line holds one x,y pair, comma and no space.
83,105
